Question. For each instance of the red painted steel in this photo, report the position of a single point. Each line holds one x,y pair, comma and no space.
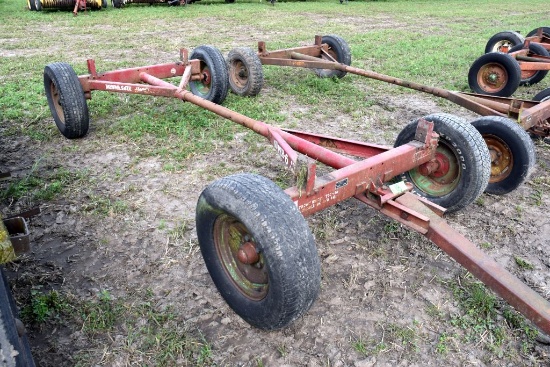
366,179
533,116
356,148
515,292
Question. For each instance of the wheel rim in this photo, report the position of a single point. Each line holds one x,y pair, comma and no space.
502,46
238,74
441,175
240,258
502,159
203,86
492,77
56,99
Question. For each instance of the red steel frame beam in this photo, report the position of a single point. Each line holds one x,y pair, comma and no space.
541,38
531,115
364,180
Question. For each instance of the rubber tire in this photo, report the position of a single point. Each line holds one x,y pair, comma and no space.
117,4
342,54
506,61
104,4
470,150
514,38
246,76
31,5
283,237
534,49
545,30
11,336
517,141
542,96
37,5
212,59
75,120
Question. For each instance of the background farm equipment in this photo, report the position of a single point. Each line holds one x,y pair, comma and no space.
502,126
74,5
511,60
120,3
253,236
14,241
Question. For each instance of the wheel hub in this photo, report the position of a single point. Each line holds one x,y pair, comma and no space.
437,167
57,102
492,77
502,46
240,74
240,257
248,254
501,158
441,175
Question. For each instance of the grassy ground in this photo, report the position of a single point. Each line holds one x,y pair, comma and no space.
431,42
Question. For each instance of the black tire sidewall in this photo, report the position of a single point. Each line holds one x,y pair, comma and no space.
215,62
514,38
545,30
75,121
507,62
520,145
466,190
343,56
542,95
288,268
535,49
254,68
9,315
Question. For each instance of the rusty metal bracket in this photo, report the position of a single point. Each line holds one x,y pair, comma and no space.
19,234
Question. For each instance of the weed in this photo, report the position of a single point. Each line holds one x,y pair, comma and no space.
480,319
179,231
360,346
101,314
405,335
282,350
162,224
43,306
536,197
105,206
523,264
441,346
486,245
434,311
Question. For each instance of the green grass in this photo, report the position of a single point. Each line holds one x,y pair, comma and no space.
432,42
480,319
154,336
38,187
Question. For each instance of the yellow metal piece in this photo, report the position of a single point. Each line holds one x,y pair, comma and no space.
7,253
